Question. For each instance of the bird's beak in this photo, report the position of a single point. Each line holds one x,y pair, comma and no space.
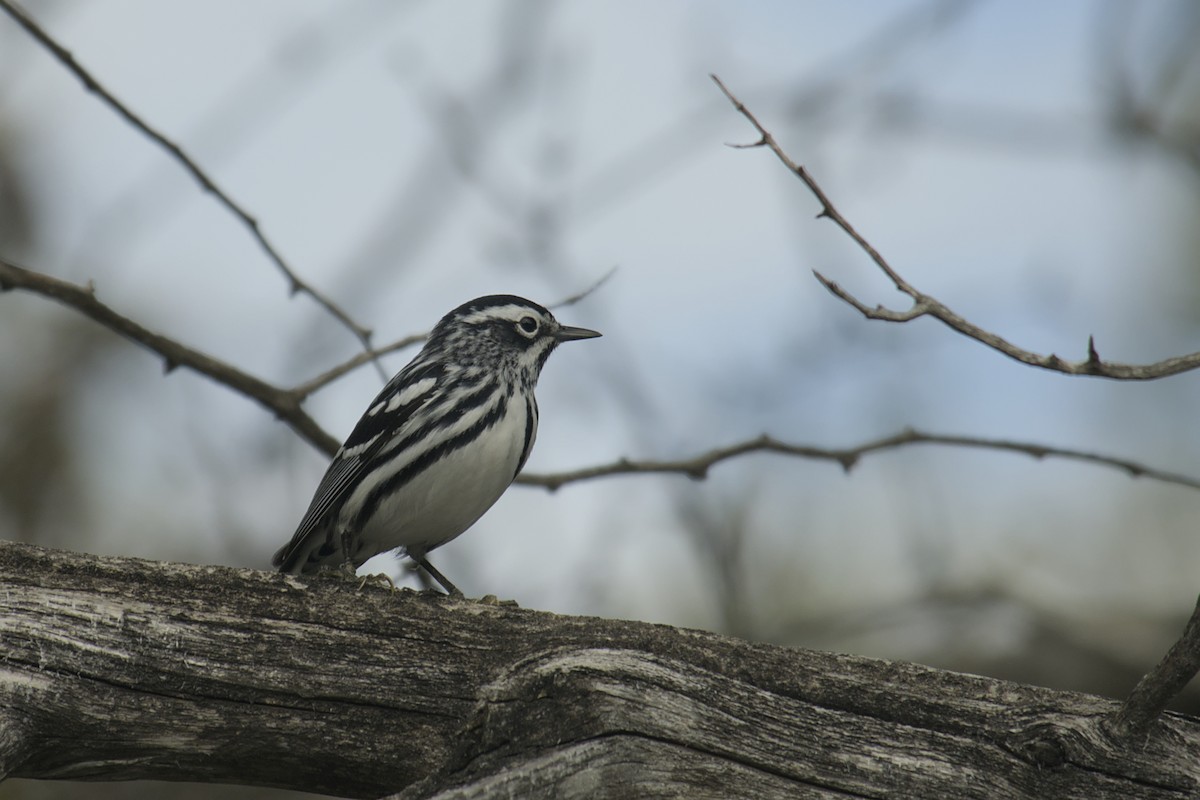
566,333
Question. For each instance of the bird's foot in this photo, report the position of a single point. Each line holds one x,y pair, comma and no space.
378,578
492,600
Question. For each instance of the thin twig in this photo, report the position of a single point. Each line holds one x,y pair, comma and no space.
1157,688
283,404
925,305
697,466
296,284
572,299
349,365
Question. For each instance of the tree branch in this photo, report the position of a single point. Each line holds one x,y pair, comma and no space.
925,305
1182,662
309,387
123,669
1159,686
297,285
285,405
697,466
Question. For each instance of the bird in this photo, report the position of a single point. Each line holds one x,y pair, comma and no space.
438,445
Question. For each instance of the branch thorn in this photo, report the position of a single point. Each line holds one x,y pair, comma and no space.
747,146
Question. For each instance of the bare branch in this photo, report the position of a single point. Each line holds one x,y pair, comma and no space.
285,404
1154,691
282,403
296,284
697,466
330,375
925,305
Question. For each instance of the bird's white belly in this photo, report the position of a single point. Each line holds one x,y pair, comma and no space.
451,494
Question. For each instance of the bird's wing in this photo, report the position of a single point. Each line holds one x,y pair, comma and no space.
411,388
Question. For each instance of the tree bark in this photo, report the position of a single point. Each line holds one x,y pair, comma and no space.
120,669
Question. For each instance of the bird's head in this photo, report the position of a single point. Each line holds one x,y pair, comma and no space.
502,330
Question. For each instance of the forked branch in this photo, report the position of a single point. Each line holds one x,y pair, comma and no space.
1150,698
924,305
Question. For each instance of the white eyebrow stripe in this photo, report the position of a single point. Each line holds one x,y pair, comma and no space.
512,311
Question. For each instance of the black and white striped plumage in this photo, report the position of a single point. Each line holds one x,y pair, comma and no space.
439,445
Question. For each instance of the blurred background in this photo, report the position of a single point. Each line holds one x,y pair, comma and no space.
1035,166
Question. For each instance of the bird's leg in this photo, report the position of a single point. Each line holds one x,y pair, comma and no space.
450,588
348,568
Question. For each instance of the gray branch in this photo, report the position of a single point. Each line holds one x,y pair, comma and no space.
122,669
698,466
1160,685
925,305
286,404
175,151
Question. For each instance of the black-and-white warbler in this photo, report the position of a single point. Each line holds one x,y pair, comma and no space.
439,445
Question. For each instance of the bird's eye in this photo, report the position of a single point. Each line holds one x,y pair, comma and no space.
528,325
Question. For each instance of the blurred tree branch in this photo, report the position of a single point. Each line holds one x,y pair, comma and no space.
120,669
1163,111
926,305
